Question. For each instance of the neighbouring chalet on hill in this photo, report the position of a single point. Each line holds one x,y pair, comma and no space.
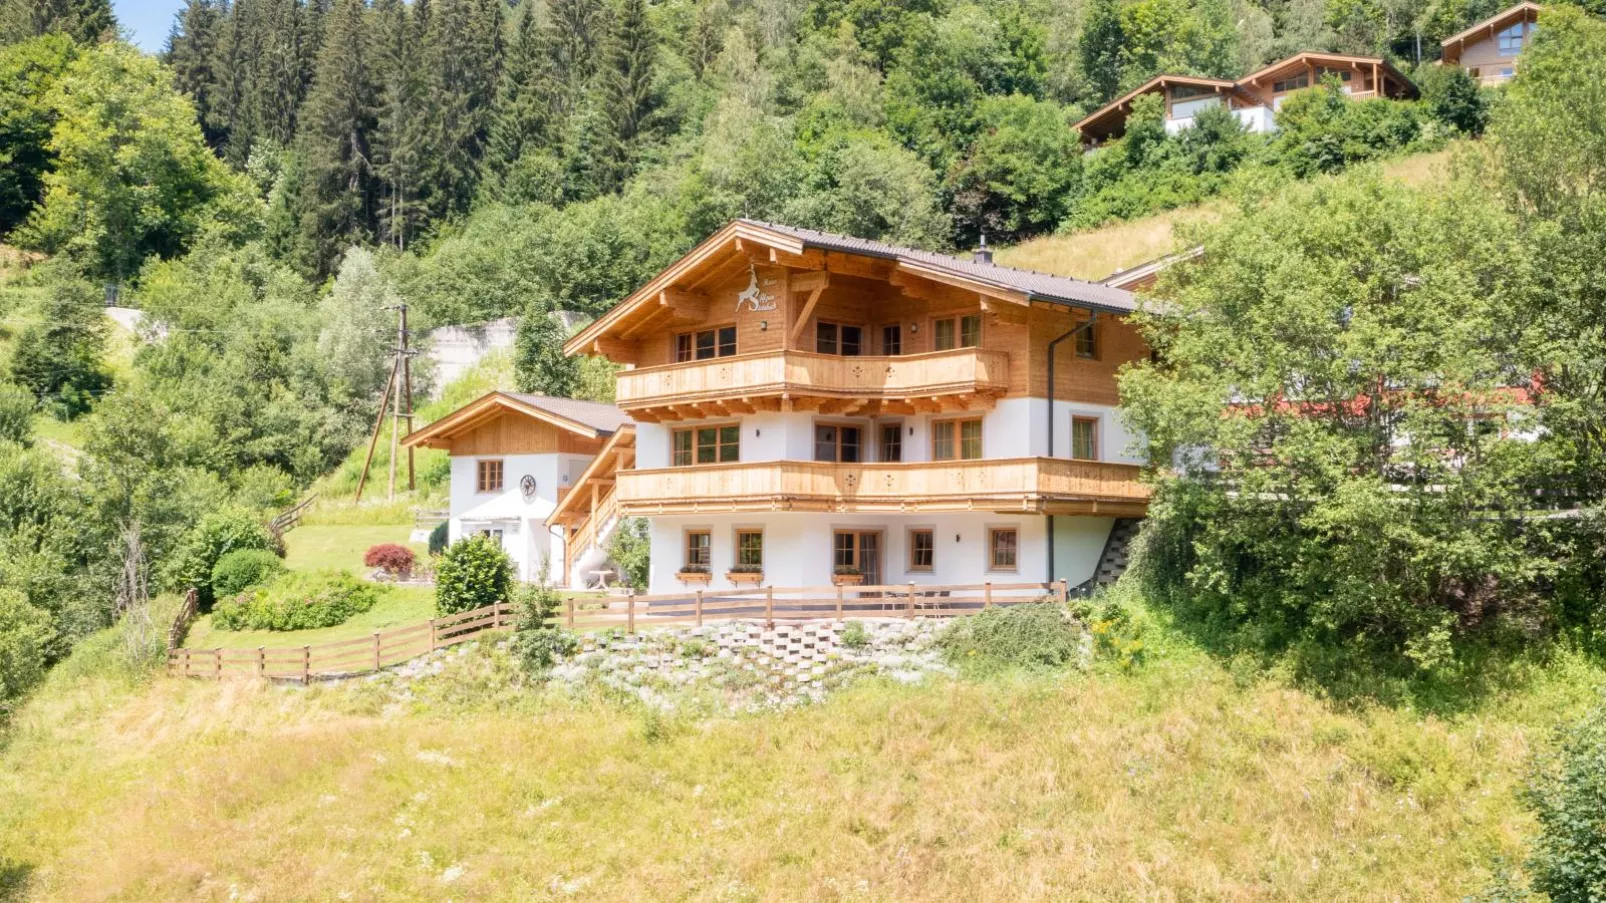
809,404
513,458
1253,99
1488,50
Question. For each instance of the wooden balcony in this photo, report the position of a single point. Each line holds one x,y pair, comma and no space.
963,379
1006,485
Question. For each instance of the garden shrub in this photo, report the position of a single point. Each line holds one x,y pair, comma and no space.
393,558
438,536
854,635
217,534
473,572
1031,635
298,601
631,551
25,634
1568,793
538,641
16,414
242,569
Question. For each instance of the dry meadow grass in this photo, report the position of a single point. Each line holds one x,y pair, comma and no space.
1175,782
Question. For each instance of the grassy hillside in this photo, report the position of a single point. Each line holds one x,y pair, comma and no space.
1097,253
1182,780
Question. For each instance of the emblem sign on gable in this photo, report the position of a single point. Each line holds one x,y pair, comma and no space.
754,298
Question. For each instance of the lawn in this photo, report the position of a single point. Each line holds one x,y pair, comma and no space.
340,547
400,606
1180,780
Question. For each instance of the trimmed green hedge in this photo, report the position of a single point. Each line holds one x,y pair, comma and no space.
298,601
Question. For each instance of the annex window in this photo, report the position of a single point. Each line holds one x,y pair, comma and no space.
956,439
706,445
1087,343
892,340
699,551
833,442
957,332
1301,80
892,441
1085,438
750,548
488,476
922,550
1002,543
706,344
834,338
493,535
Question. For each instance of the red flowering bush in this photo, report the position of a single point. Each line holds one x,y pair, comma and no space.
394,559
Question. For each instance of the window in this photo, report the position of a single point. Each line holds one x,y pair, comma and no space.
1183,92
836,443
1344,75
957,332
1510,40
706,445
1085,438
834,338
1002,542
922,550
892,340
1087,343
699,550
951,439
1301,80
892,442
860,550
709,343
493,535
750,548
488,476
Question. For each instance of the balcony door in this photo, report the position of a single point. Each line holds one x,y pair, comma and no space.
859,549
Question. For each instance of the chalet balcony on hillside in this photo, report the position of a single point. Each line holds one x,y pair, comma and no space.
961,379
1005,485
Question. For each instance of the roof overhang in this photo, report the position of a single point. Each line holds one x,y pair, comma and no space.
1312,58
1118,107
1454,44
605,462
484,409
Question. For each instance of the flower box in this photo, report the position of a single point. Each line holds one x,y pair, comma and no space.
693,576
847,579
745,578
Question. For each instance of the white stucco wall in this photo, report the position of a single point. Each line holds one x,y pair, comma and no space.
524,533
798,546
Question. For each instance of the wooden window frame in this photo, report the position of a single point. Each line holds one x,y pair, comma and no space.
956,322
858,546
697,445
910,565
1087,343
1094,422
691,339
881,428
992,549
839,426
837,342
482,469
736,537
881,336
959,438
686,562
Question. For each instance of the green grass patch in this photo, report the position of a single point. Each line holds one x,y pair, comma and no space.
319,547
398,606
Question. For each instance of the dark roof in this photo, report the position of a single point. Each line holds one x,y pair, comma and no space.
1038,286
604,418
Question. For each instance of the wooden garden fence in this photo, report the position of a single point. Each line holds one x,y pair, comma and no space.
629,613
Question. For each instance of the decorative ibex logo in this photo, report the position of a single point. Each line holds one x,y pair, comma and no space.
753,295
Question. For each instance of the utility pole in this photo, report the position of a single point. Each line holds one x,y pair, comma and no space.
398,391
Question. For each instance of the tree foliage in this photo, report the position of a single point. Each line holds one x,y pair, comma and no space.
472,573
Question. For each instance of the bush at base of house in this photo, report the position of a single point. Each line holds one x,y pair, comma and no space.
243,569
473,572
298,602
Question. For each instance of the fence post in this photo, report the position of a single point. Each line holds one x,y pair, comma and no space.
217,659
769,606
262,661
839,601
433,639
699,608
571,612
630,612
186,663
376,650
306,665
909,603
987,595
1061,590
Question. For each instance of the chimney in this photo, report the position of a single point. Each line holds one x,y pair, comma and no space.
982,254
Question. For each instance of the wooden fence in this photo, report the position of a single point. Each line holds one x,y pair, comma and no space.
289,519
629,613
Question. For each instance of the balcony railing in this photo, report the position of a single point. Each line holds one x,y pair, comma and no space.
1052,485
806,374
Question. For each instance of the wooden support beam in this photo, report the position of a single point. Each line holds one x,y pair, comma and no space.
618,350
684,305
808,282
804,314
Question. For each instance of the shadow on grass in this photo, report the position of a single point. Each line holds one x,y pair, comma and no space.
14,878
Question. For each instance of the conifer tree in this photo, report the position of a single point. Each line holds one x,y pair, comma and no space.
338,179
1100,49
401,139
628,88
577,28
86,21
523,116
277,88
192,52
465,56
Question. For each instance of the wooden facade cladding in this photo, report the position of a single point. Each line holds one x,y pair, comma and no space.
966,378
1006,485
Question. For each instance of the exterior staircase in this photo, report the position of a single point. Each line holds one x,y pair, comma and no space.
1116,556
